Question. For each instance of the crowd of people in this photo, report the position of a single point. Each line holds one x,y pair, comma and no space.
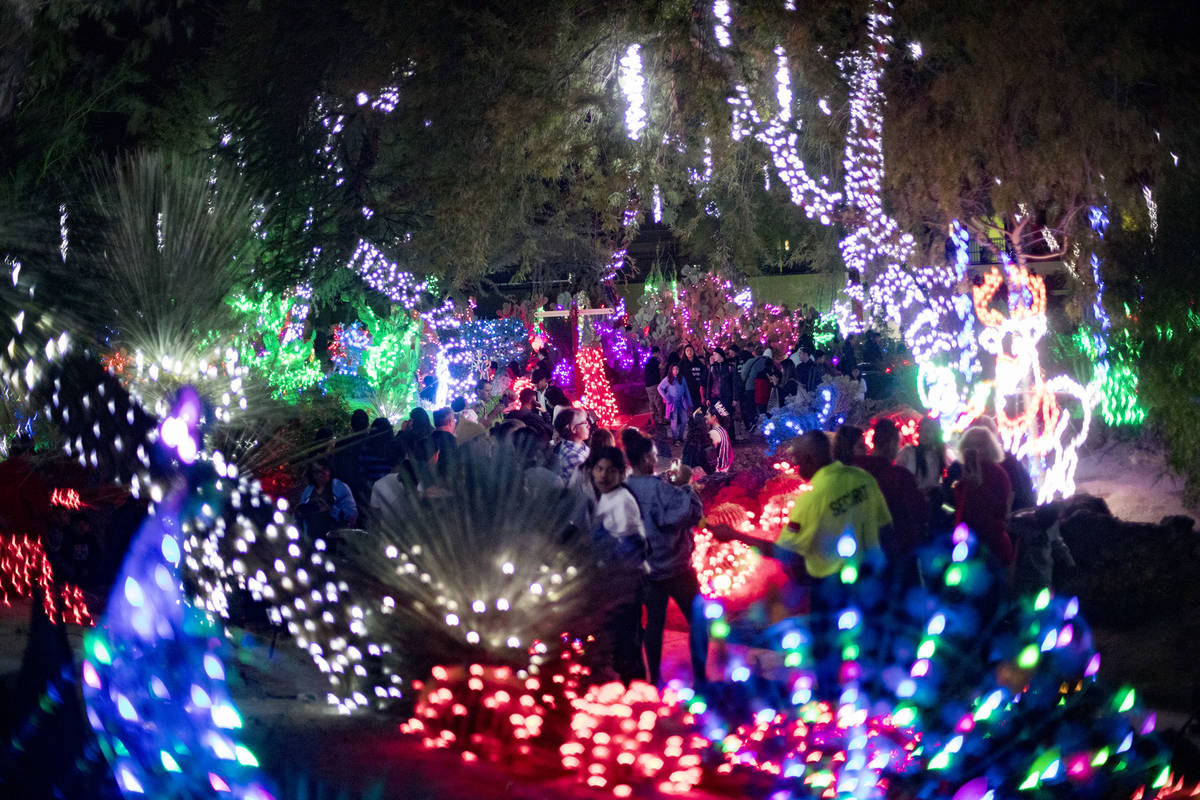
741,386
640,517
892,500
634,494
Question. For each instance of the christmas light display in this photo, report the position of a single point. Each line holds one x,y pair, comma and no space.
935,317
825,331
474,575
66,498
916,708
710,308
219,376
25,571
1041,432
834,401
386,277
347,347
390,362
154,683
597,393
563,373
633,86
490,712
1117,375
808,748
487,578
725,569
473,344
631,739
907,425
273,343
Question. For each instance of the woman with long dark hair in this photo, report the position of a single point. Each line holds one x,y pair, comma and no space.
678,400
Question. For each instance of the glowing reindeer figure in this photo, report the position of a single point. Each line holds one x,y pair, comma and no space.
1033,425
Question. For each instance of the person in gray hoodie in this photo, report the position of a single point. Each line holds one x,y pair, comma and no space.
669,510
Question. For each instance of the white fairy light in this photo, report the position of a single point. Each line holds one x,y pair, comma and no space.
1151,210
64,233
633,86
657,204
386,276
724,20
783,85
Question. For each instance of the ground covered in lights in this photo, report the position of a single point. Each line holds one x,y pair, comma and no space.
309,751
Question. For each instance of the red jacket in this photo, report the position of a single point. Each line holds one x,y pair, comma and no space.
908,506
984,507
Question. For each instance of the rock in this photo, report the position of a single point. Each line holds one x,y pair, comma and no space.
1085,503
1178,523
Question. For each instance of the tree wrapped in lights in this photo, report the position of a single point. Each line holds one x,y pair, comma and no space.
597,394
273,340
710,308
174,245
390,362
467,347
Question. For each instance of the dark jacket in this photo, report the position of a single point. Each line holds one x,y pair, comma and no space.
720,383
668,514
653,371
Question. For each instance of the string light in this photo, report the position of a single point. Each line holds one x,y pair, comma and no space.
491,712
597,393
900,710
628,739
386,277
724,21
284,359
347,347
633,86
154,683
25,571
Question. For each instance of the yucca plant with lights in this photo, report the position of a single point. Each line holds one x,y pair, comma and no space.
172,237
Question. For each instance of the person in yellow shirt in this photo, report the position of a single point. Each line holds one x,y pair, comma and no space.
835,526
836,523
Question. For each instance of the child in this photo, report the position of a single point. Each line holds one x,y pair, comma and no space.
617,526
